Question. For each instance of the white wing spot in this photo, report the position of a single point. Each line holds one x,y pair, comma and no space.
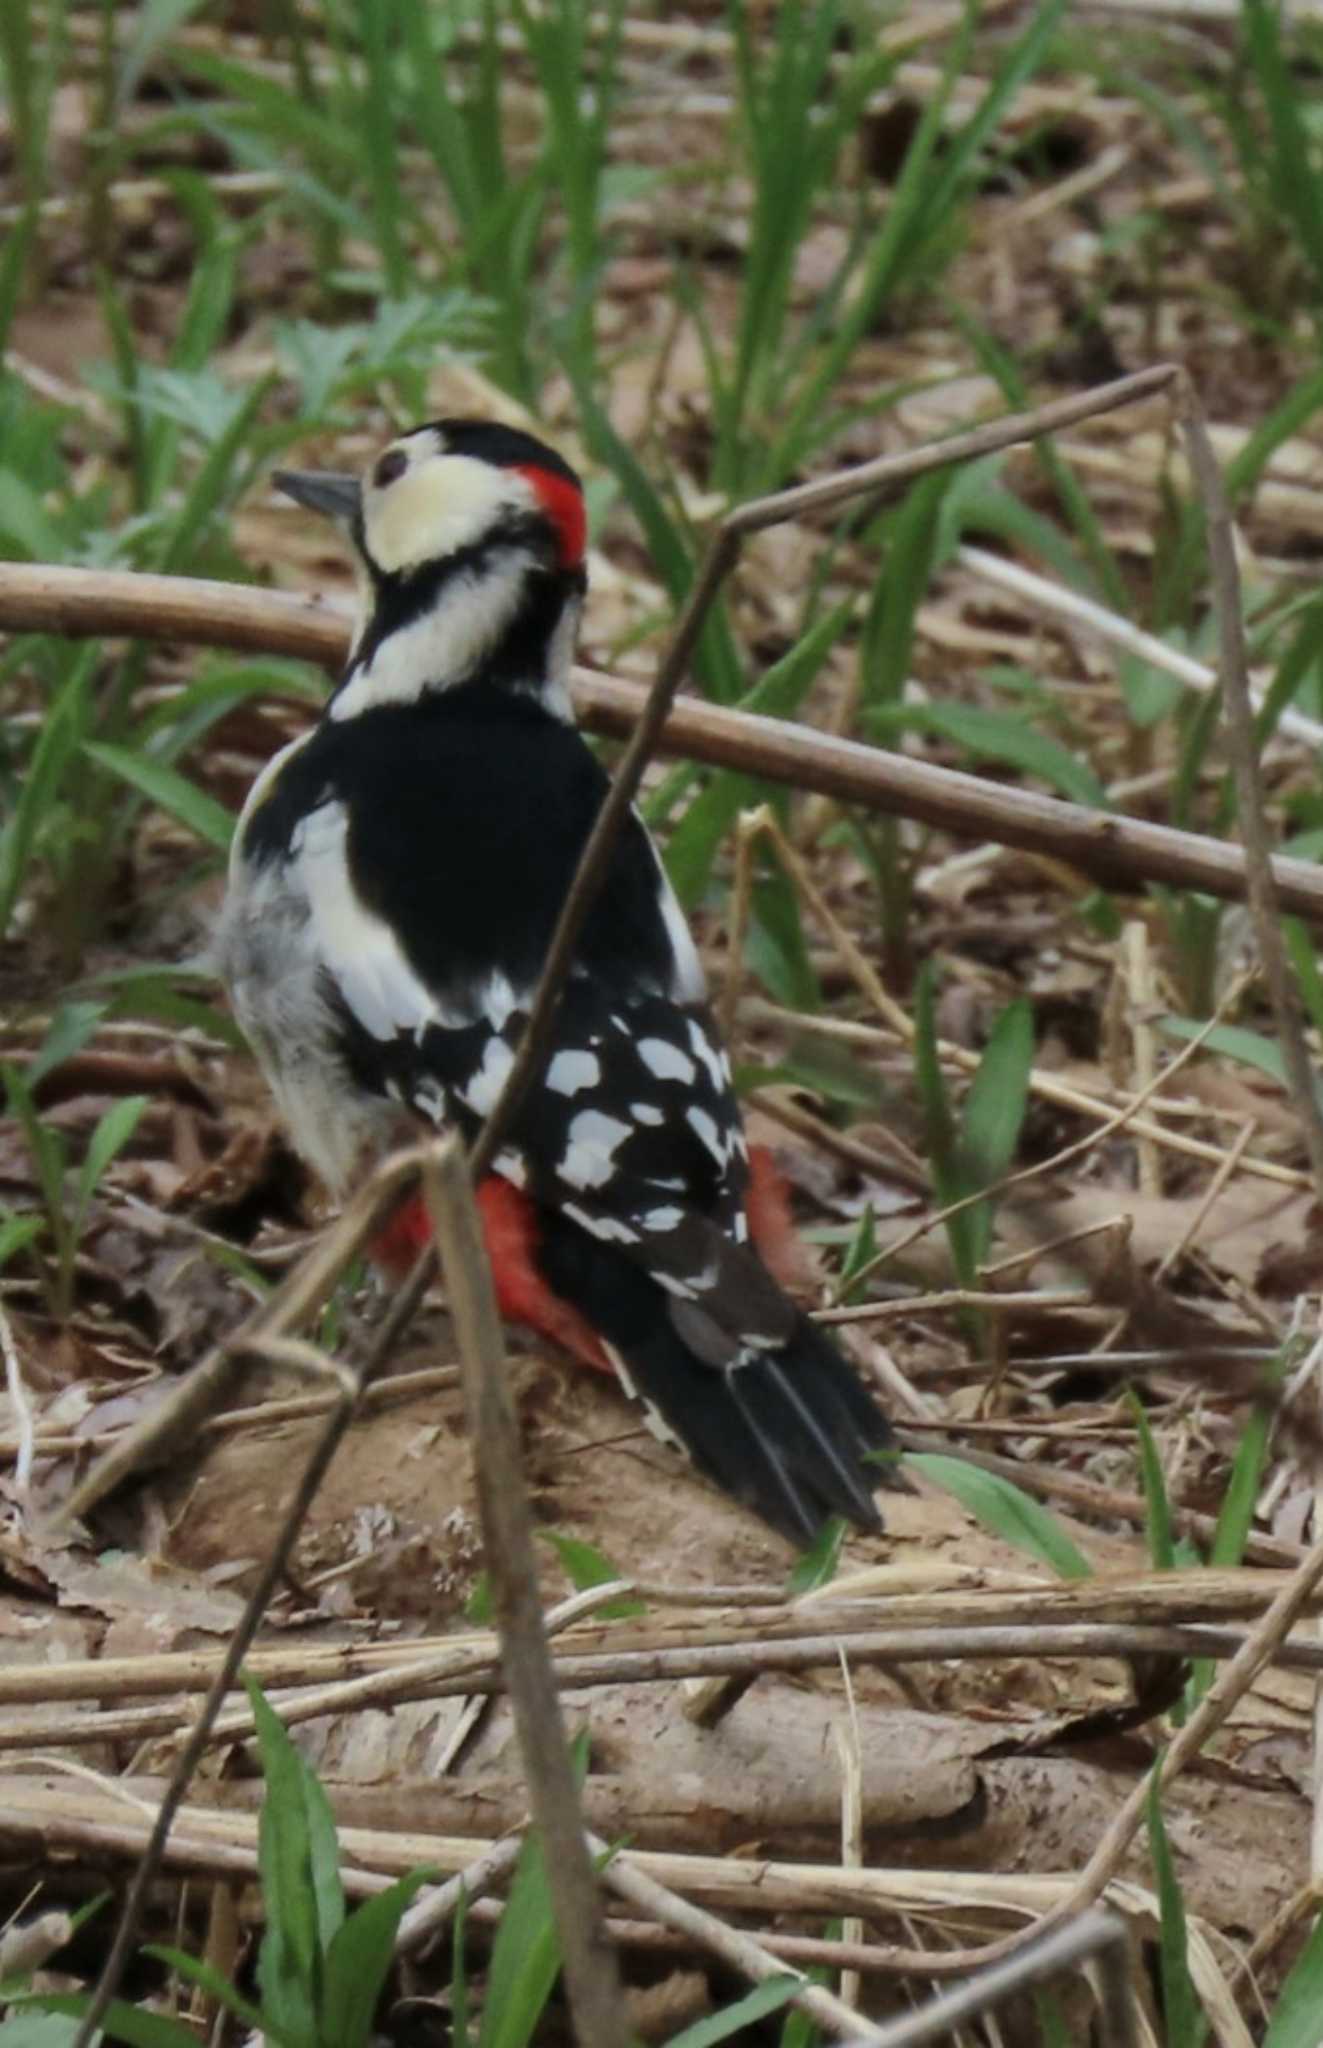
498,1001
611,1229
704,1128
646,1113
590,1154
482,1091
668,1217
665,1060
571,1071
709,1056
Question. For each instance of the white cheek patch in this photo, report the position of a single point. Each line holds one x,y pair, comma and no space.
590,1152
441,504
570,1072
666,1061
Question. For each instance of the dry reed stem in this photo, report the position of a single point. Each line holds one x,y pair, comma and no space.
739,1951
54,1816
869,1602
592,1976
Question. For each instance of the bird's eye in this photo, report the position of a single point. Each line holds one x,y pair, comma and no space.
392,465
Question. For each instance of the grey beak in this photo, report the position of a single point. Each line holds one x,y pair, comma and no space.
327,491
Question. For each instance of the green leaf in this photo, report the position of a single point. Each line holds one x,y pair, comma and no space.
1235,1518
1161,1543
860,1254
15,1232
525,1959
818,1564
584,1565
479,1607
131,2023
755,2005
1001,736
41,786
358,1960
73,1024
207,1978
1185,2026
169,789
998,1095
692,845
111,1135
1251,1048
1297,2020
1005,1510
44,1143
299,1860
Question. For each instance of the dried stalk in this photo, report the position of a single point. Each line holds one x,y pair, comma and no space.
591,1974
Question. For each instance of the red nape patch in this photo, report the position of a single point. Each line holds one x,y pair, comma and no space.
562,502
510,1229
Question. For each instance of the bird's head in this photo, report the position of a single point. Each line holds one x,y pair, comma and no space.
470,538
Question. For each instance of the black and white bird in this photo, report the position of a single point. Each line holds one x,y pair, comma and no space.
395,879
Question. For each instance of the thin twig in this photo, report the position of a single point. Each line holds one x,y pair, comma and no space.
591,1972
738,1950
749,1661
435,1909
1115,852
1095,1934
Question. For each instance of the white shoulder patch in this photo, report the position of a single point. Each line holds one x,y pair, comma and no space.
361,952
688,982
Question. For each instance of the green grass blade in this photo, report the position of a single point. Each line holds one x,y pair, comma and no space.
358,1962
755,2005
584,1566
301,1891
525,1958
819,1563
1297,2018
171,790
111,1135
216,1985
56,748
1157,1506
1184,2024
998,1096
1005,1510
380,159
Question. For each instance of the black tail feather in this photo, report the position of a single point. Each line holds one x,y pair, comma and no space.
790,1432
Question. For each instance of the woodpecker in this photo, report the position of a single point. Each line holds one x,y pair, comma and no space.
395,879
